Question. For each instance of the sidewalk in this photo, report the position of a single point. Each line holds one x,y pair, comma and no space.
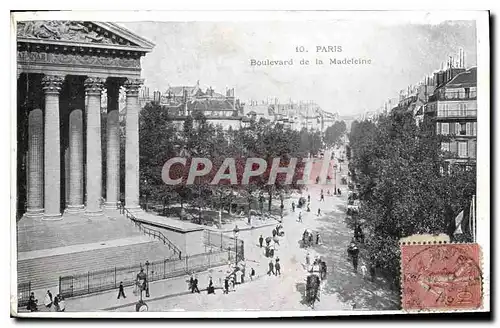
158,290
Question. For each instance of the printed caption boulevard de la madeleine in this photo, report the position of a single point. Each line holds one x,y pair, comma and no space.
329,55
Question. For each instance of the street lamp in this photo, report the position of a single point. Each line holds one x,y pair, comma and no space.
335,178
147,278
146,192
236,231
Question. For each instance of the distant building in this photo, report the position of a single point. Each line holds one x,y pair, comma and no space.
183,101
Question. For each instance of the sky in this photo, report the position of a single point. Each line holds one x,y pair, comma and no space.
218,54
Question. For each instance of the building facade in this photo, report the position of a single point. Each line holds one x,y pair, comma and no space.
63,68
453,107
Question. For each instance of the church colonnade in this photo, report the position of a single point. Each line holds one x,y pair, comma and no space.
83,130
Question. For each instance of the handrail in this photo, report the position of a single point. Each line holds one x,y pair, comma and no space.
149,231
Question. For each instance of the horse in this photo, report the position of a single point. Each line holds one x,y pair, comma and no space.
312,289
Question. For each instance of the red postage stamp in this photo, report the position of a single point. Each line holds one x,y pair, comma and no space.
441,276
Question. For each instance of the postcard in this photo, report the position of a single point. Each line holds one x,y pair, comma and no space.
250,164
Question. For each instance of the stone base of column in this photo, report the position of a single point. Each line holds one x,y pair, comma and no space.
52,217
111,205
75,209
34,213
94,213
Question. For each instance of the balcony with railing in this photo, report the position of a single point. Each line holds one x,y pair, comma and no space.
459,113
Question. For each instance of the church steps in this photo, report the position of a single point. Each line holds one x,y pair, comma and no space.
45,272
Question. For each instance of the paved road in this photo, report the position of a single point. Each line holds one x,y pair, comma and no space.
342,289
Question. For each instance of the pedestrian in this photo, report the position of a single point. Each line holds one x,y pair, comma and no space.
277,266
233,282
338,191
210,288
191,282
319,211
293,206
56,303
252,274
308,258
300,216
308,208
274,233
121,291
317,238
32,303
62,304
226,285
282,207
47,301
271,268
329,193
354,253
194,287
261,239
309,198
322,198
243,275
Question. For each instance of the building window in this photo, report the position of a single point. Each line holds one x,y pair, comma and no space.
474,128
462,149
445,146
463,129
445,129
468,129
467,92
462,108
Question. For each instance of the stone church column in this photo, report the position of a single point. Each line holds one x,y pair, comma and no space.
112,146
75,203
52,143
35,164
93,89
132,144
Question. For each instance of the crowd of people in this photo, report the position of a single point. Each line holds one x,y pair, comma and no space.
57,303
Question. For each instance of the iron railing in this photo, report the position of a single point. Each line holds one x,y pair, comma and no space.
218,240
150,232
23,293
108,279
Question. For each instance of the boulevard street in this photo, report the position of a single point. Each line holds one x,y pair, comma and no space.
343,289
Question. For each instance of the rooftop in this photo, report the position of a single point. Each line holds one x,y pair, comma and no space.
465,79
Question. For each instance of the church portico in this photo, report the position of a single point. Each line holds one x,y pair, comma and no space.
64,68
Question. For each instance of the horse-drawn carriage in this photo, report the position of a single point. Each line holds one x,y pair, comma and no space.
312,289
301,202
316,273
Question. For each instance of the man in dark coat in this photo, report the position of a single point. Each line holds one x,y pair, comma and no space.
211,289
121,291
277,266
226,285
271,268
261,240
195,286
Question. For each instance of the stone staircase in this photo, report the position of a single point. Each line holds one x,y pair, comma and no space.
72,230
44,272
78,232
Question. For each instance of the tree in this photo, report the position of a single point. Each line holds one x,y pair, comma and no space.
402,190
157,137
334,133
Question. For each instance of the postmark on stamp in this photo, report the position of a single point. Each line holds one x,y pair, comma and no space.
441,276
